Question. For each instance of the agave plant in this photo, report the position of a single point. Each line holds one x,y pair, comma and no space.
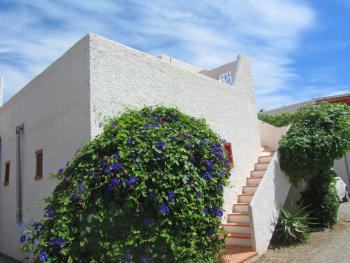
294,225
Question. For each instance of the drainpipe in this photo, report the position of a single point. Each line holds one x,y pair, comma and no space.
19,212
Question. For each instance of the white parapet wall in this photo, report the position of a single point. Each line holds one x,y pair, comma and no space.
271,194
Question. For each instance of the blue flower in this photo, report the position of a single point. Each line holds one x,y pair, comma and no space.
60,171
186,135
22,239
163,209
116,155
114,123
217,211
81,188
107,170
160,145
210,232
37,226
206,211
209,164
174,138
104,163
190,144
57,242
114,182
74,197
146,126
128,257
149,221
159,119
50,213
132,155
154,124
171,196
130,141
43,256
227,163
220,187
222,173
207,176
117,167
114,138
202,142
131,181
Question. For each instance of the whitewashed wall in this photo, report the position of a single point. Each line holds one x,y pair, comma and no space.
121,76
54,108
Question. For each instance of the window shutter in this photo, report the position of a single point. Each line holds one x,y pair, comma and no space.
39,164
7,173
228,150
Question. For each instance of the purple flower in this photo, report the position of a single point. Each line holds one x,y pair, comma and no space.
202,142
160,145
131,181
227,163
57,242
132,155
209,164
149,221
22,239
50,213
190,144
74,197
206,211
159,119
114,181
60,171
114,138
171,196
81,188
146,126
186,135
207,176
117,167
210,232
43,256
104,164
222,173
107,170
217,211
174,138
130,141
163,209
116,155
154,124
221,188
114,123
37,226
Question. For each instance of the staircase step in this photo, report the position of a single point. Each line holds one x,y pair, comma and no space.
267,153
245,198
236,227
237,254
257,174
265,159
249,189
261,166
238,239
253,180
241,207
238,217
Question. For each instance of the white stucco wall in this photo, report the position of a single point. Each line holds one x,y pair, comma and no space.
54,108
121,76
270,135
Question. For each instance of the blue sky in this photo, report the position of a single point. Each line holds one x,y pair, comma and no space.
299,49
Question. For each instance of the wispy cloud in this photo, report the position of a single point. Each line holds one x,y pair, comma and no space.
204,33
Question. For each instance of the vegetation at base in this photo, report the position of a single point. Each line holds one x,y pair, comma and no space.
319,134
280,120
149,188
294,225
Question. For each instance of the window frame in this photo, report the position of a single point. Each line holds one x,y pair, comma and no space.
7,173
39,164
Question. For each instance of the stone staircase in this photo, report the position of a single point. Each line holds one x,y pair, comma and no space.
238,229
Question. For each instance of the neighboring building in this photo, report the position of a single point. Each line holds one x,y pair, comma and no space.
341,166
45,123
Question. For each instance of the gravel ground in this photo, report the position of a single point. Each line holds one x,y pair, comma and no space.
329,246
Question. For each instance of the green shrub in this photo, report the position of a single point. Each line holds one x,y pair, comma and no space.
294,225
148,189
319,134
322,199
280,120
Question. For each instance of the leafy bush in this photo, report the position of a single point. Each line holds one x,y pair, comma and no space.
148,189
319,134
322,199
280,120
294,225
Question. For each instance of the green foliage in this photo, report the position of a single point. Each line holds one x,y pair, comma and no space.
318,135
294,225
148,189
322,199
280,120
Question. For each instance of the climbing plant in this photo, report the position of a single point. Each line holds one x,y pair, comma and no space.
318,135
149,188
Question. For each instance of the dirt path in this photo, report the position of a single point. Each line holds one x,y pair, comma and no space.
327,246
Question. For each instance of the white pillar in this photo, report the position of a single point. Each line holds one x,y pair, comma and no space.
1,91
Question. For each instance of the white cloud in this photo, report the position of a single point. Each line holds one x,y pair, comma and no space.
205,33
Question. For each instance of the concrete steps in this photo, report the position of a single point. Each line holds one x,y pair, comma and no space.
238,227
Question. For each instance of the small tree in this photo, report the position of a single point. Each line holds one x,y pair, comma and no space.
148,189
319,134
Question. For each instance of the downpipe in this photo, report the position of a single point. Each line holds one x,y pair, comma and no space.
19,210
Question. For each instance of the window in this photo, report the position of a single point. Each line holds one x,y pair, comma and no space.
39,164
228,150
226,78
7,173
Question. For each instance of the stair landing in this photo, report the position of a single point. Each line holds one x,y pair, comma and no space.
237,254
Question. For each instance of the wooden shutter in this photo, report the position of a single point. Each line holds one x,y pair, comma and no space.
39,164
228,150
7,173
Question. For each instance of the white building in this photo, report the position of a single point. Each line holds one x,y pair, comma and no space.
44,124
